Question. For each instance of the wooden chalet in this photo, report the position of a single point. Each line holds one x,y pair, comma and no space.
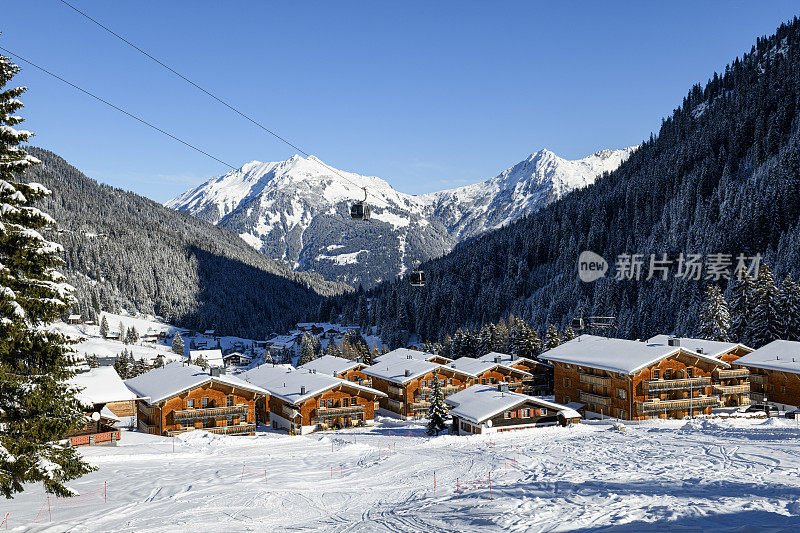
108,404
732,385
408,384
408,353
541,380
494,409
339,367
492,372
633,380
303,401
180,397
774,373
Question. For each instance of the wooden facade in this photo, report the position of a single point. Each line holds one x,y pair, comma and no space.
774,386
341,406
674,387
213,406
411,399
526,414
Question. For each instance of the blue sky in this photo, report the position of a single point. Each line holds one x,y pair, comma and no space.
426,95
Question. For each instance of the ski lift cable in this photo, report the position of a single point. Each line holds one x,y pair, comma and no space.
143,121
207,92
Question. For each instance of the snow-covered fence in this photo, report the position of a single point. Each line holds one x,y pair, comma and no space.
5,521
55,502
250,472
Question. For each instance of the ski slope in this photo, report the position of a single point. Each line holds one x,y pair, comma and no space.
709,475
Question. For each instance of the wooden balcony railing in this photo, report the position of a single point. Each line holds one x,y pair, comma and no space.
210,412
732,389
733,373
673,384
340,411
594,398
677,405
761,379
391,389
595,380
239,429
420,405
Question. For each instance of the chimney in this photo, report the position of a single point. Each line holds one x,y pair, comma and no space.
302,390
496,358
513,357
699,350
502,387
672,341
214,371
408,372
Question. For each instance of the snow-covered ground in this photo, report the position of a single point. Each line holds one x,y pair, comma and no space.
702,475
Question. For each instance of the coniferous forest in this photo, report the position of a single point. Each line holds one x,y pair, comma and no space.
721,176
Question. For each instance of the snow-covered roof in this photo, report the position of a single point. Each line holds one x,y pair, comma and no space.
331,365
783,356
283,340
406,353
509,360
106,413
101,385
481,402
74,317
172,379
714,349
286,383
617,355
394,369
476,367
213,357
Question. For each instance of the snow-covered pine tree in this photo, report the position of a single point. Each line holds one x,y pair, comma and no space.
104,327
201,362
790,309
177,343
568,334
132,335
740,304
123,334
484,341
436,412
306,349
159,361
37,407
715,319
552,338
766,323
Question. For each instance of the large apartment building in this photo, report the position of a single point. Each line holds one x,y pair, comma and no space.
339,367
633,380
540,381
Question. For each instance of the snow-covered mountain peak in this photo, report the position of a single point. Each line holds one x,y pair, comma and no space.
297,210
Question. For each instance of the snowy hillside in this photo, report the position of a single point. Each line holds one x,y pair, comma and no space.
296,211
701,475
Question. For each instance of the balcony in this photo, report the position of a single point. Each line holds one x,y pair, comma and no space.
685,404
674,384
733,373
365,383
420,405
239,429
210,412
591,379
594,398
340,411
732,389
446,391
758,397
391,389
761,379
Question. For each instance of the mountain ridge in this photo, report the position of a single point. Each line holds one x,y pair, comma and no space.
296,211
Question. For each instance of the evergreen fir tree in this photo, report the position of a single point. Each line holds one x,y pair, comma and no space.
741,308
159,362
714,322
201,362
306,349
132,335
37,407
104,327
766,324
790,309
123,333
177,344
436,412
552,338
568,334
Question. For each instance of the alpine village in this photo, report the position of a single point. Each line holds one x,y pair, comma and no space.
605,343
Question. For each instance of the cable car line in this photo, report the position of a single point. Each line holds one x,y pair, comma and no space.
209,93
193,147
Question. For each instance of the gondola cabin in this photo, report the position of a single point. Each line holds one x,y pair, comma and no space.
417,278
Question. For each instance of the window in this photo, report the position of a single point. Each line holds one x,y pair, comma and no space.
622,414
330,402
204,402
507,414
353,401
424,383
655,373
322,403
229,401
567,399
668,373
621,394
526,413
190,403
689,371
566,382
483,381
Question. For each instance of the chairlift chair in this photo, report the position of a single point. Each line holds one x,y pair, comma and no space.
360,209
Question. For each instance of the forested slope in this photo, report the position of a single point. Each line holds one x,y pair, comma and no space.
124,251
721,176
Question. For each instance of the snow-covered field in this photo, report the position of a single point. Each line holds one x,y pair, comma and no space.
709,475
